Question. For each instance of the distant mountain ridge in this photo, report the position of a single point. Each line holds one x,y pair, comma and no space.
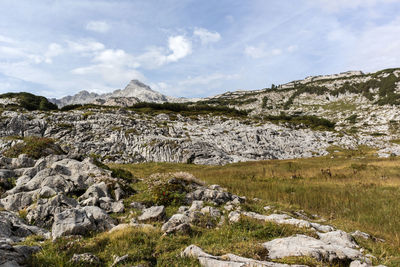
134,92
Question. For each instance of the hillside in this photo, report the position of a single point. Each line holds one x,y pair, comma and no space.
361,104
300,174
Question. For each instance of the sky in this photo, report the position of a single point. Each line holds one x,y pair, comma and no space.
190,48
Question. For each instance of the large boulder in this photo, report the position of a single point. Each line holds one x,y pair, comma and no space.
228,260
15,229
66,176
305,246
42,213
15,256
81,221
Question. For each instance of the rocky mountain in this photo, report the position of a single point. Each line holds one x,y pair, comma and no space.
134,92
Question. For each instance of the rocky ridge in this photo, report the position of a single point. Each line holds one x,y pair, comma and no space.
133,93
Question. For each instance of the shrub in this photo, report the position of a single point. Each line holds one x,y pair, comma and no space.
122,174
188,109
310,121
169,194
352,118
34,147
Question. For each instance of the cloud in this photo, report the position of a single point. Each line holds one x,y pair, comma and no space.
5,39
208,79
375,48
339,5
113,66
154,57
255,52
261,51
292,48
85,45
206,36
180,47
53,50
98,26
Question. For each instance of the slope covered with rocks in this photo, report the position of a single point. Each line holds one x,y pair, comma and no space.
72,200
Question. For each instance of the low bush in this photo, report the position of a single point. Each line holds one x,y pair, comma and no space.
308,121
187,109
168,194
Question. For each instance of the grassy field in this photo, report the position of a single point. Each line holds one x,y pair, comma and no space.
352,189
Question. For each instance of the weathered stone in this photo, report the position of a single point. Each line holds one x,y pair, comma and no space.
15,229
118,260
12,256
301,245
155,213
42,213
339,238
183,228
174,221
228,260
81,221
196,205
85,258
234,216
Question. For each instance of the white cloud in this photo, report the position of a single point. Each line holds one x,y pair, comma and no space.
179,47
338,5
113,66
261,51
276,52
53,50
5,39
85,45
375,48
255,52
207,36
292,48
208,79
98,26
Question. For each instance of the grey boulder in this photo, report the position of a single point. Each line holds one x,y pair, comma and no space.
81,221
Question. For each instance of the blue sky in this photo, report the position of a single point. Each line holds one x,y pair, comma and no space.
190,48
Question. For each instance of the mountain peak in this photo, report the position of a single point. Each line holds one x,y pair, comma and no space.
135,89
138,83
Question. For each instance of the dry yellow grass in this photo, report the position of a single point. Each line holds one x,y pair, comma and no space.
352,189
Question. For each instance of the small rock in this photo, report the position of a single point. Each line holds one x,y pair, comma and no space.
155,213
234,217
183,228
85,258
137,205
174,221
118,260
196,205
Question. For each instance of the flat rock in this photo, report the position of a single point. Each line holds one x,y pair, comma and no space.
81,221
228,260
155,213
302,245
